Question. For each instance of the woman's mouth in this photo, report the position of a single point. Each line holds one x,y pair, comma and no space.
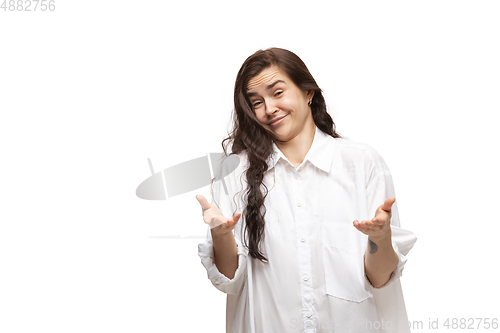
278,121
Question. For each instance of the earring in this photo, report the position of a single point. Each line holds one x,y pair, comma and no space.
310,102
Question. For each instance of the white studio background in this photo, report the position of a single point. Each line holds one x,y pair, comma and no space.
91,90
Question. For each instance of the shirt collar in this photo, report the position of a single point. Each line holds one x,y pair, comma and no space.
320,154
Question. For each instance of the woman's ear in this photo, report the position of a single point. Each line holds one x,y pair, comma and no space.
310,94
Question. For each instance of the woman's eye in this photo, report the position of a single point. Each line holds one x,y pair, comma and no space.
256,104
278,93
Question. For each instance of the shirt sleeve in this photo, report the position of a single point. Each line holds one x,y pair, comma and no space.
223,197
380,187
219,280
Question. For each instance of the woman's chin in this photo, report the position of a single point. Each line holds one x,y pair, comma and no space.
281,135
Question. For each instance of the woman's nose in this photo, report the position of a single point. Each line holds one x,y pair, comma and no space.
271,107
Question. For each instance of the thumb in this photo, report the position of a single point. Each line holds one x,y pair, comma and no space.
387,205
203,202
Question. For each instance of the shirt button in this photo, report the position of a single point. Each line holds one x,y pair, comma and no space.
306,278
308,314
302,240
299,204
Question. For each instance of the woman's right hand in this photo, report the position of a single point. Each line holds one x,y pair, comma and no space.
219,224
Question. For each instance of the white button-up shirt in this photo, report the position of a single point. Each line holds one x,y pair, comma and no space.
314,280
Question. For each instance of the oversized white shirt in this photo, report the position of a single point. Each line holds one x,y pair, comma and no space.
314,280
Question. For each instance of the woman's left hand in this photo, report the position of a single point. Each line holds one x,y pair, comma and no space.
380,226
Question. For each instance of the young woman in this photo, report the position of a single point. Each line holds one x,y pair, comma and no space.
304,233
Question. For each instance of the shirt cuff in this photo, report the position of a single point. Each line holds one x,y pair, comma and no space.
219,280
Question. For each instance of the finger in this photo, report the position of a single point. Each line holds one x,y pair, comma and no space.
232,221
236,217
203,202
363,224
387,205
361,227
366,224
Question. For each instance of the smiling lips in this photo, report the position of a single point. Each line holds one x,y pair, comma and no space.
277,121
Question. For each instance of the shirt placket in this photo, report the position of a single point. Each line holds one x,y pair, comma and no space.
304,252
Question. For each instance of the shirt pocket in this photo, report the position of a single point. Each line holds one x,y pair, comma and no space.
343,250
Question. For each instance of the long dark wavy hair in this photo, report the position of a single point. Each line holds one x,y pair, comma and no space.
249,135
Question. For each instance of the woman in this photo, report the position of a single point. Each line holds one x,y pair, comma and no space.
319,248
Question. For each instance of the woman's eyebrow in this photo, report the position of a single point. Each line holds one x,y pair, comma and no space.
269,86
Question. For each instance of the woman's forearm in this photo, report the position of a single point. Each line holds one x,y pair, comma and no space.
380,260
225,254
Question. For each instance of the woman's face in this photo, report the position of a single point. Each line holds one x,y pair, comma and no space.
280,106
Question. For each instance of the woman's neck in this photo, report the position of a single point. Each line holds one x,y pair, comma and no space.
296,149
